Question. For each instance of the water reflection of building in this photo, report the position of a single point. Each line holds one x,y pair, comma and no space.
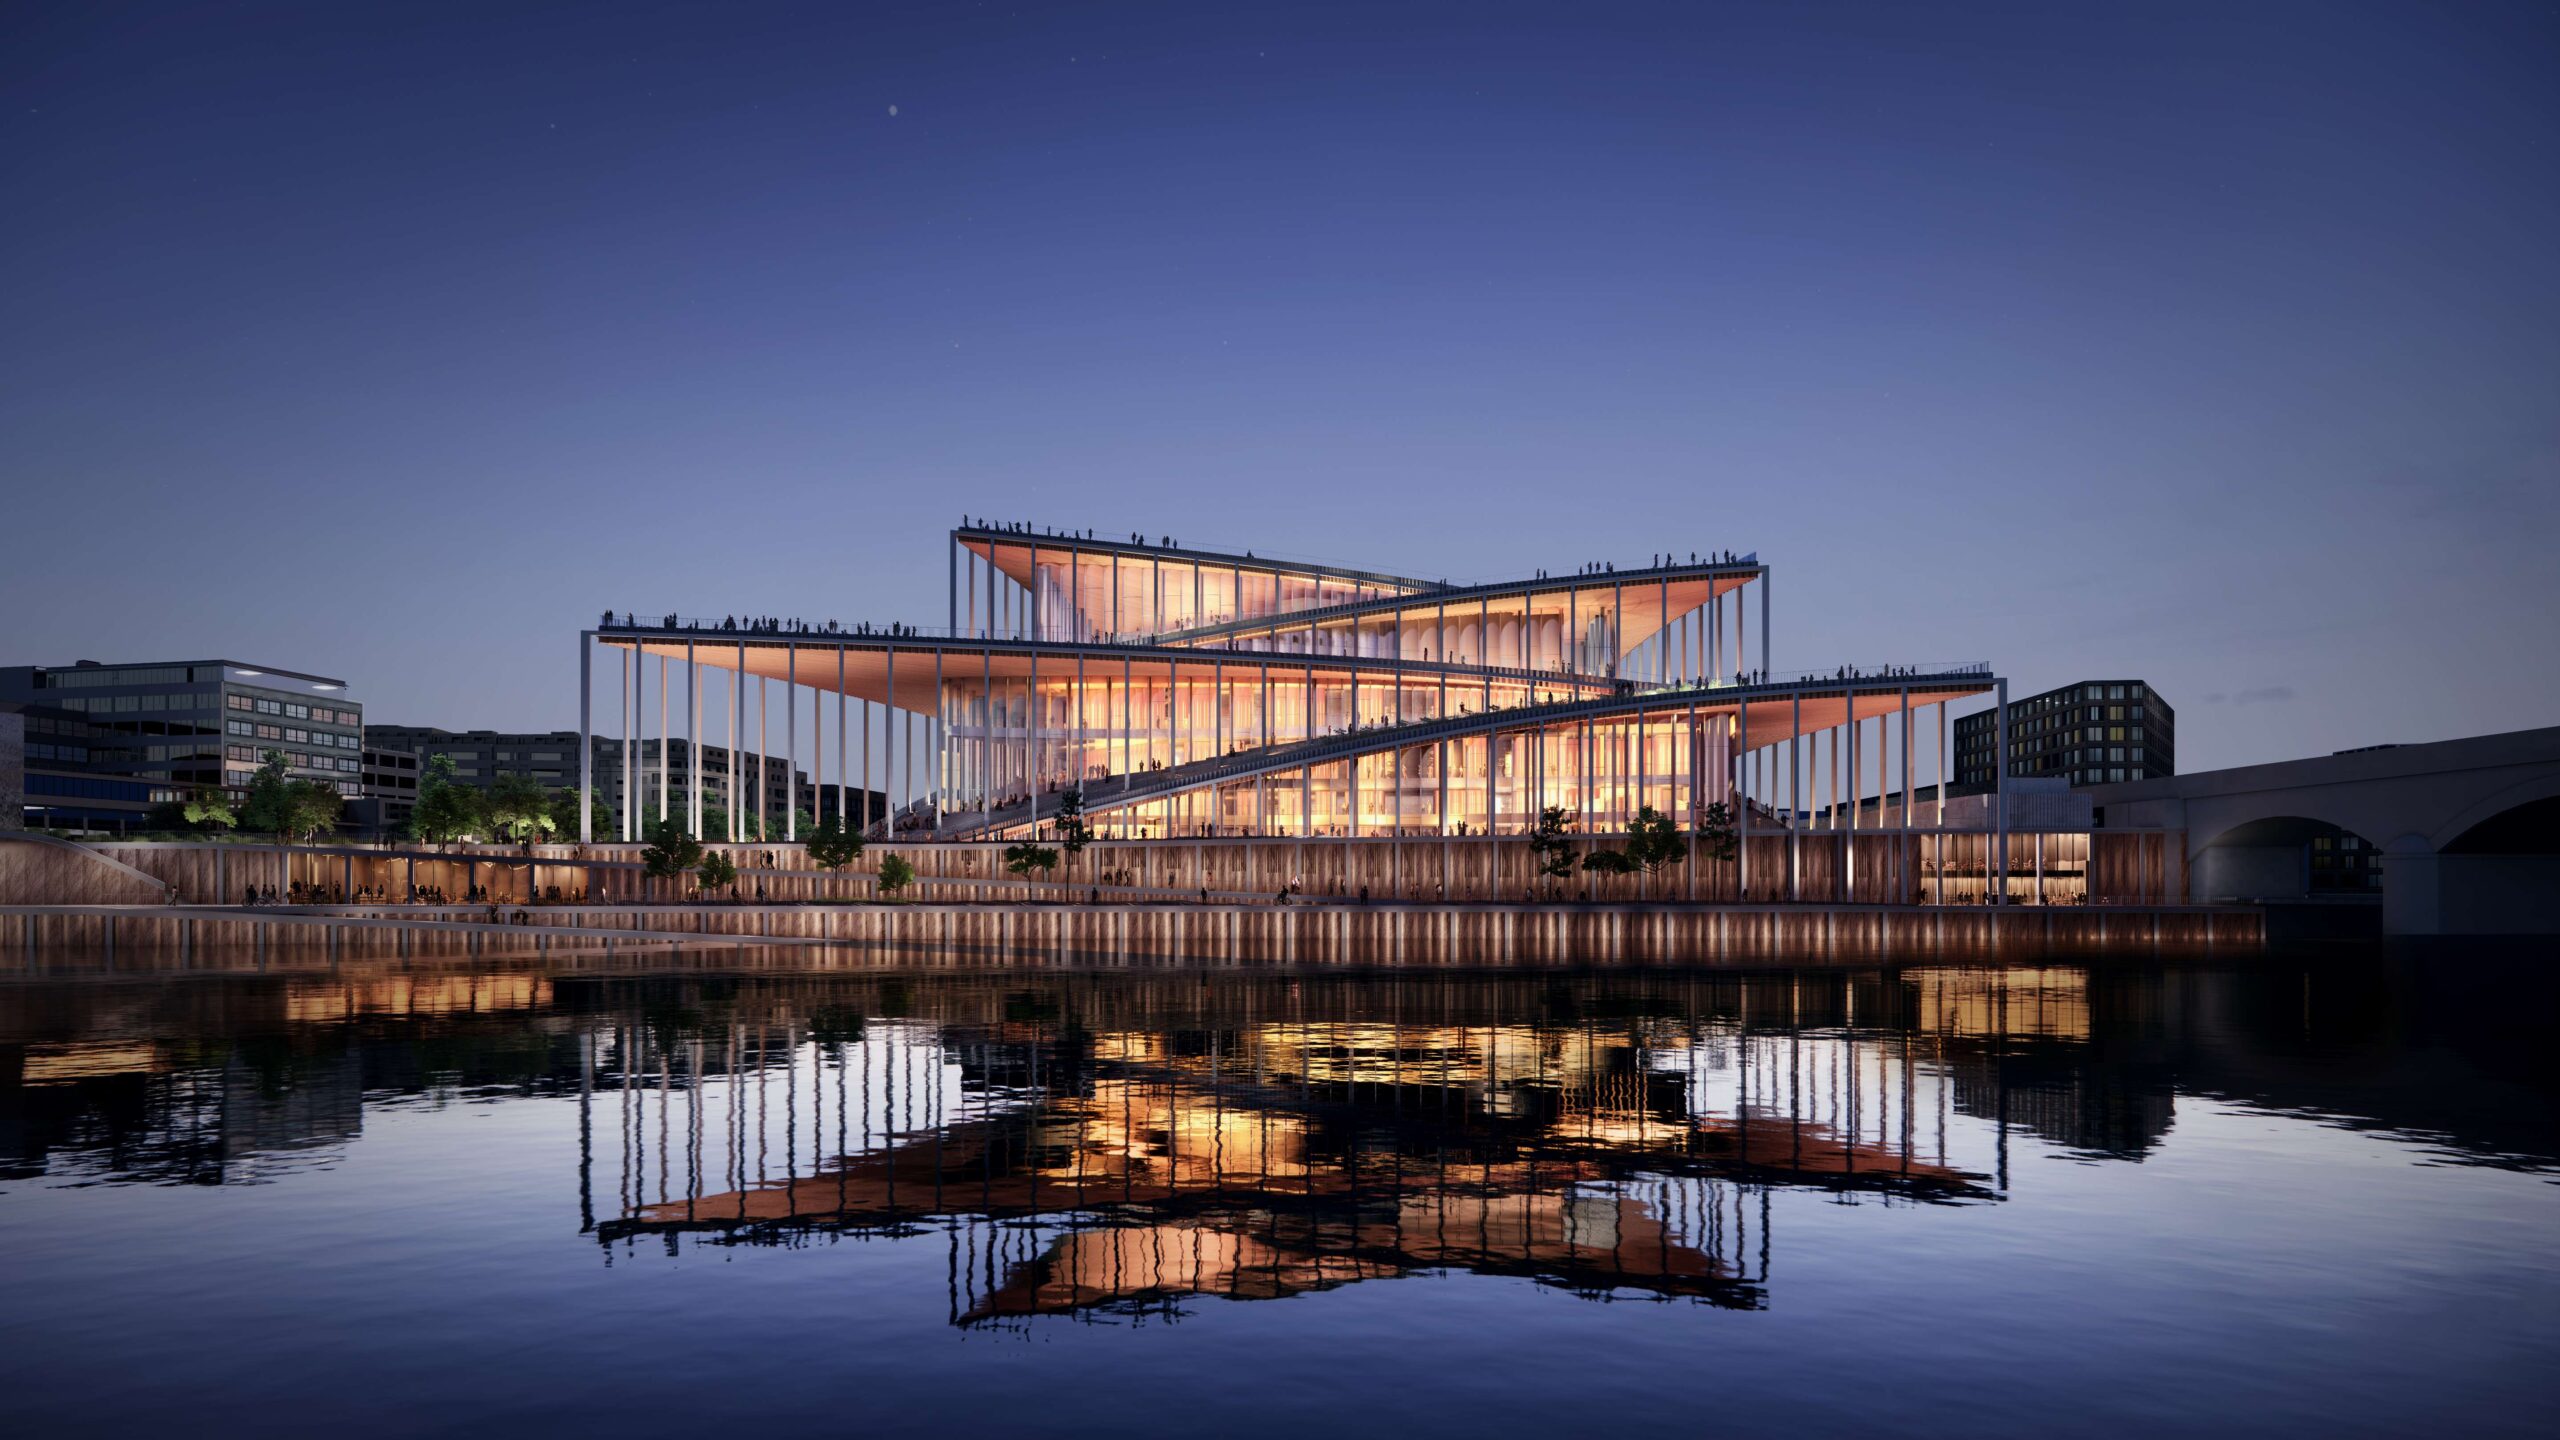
1254,1155
1099,1142
211,1084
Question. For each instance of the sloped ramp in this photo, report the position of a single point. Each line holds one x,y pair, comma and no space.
49,870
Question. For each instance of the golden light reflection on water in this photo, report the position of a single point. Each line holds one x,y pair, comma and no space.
1092,1143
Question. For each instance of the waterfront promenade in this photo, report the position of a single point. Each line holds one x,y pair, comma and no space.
1043,934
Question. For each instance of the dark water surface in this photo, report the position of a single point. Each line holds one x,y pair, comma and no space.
2310,1197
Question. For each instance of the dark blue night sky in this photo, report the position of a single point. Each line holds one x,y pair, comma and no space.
2215,344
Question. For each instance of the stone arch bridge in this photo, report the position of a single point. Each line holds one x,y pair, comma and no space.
2469,830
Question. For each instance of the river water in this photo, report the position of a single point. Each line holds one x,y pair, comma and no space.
678,1195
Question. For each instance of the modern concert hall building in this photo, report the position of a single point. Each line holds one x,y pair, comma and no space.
1240,723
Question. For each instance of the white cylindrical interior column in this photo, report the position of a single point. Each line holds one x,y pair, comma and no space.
586,739
791,742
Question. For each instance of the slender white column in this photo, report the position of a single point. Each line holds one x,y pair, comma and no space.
586,738
693,762
1907,788
1863,749
1857,798
1617,625
737,761
933,734
1741,642
1796,745
1690,752
1764,618
663,735
843,774
622,818
791,742
1741,762
764,742
1940,818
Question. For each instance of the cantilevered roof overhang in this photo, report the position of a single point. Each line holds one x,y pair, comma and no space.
1648,598
1018,566
872,663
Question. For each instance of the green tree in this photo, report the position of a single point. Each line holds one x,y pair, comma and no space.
671,851
1551,847
1653,841
517,807
832,847
1024,857
1716,833
267,810
1072,831
166,815
564,814
447,810
895,874
1609,862
717,872
310,806
210,809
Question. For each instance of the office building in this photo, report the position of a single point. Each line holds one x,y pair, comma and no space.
2096,732
550,758
104,743
387,787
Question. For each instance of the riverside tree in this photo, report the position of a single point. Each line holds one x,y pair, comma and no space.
517,807
446,810
671,850
1551,847
1715,832
294,809
564,814
1024,857
717,872
832,847
210,809
895,874
1073,833
1653,841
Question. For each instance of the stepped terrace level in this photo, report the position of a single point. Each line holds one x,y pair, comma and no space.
1669,620
1185,696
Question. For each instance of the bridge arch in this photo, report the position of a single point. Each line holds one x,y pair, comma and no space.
2519,806
2287,857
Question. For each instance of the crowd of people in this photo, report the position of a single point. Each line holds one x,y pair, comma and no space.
768,625
1023,527
307,893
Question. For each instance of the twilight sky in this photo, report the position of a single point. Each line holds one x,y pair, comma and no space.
2217,345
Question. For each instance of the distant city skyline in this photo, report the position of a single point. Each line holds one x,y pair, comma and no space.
2215,347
